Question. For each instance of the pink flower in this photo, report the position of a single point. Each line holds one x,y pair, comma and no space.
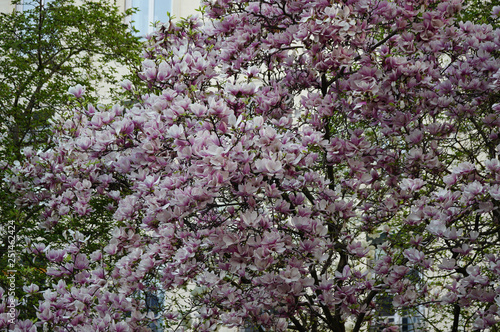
464,168
198,110
44,313
164,71
81,262
495,12
78,91
269,166
473,189
122,327
176,131
436,227
126,85
495,192
493,165
56,256
84,143
448,264
412,185
414,255
31,289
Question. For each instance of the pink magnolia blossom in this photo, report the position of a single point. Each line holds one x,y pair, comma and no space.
78,91
290,161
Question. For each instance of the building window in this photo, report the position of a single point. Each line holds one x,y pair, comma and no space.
386,314
411,323
148,13
31,4
406,321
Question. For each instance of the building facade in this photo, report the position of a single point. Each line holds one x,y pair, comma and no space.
148,10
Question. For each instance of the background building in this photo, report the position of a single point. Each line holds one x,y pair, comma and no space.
149,10
156,11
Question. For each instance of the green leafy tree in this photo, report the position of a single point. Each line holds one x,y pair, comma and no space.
45,49
481,12
48,48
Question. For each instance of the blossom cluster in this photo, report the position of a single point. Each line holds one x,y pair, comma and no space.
277,138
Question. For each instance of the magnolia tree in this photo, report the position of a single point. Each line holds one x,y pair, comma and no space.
293,164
